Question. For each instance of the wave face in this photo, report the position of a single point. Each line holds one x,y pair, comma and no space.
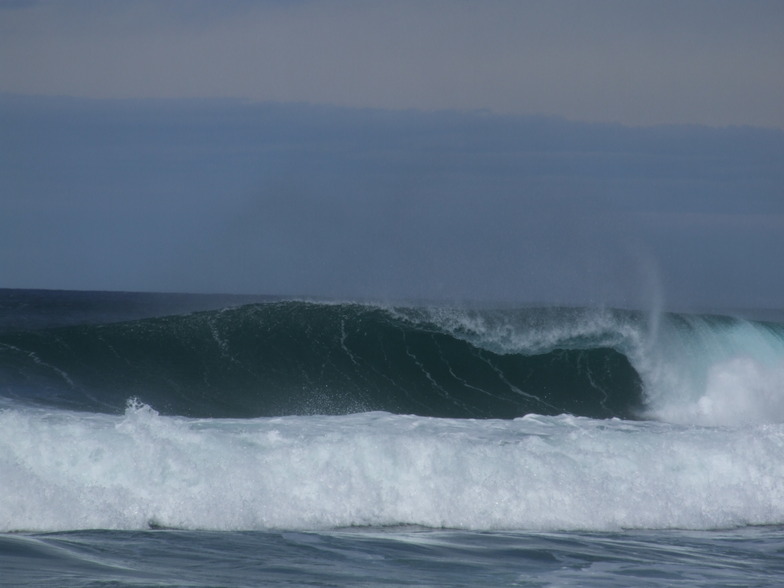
302,358
298,358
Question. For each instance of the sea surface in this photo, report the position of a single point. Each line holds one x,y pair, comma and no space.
194,440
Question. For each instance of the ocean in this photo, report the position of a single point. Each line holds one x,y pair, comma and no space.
195,440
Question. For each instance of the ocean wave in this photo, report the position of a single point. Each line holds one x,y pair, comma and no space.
304,358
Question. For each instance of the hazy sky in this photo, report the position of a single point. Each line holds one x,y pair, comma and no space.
715,62
586,152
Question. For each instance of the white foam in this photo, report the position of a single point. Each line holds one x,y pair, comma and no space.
709,372
65,470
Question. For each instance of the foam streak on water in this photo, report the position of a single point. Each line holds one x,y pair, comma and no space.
64,471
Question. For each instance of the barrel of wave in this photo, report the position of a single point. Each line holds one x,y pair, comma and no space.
715,371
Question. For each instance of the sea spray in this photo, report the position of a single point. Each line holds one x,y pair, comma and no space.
715,370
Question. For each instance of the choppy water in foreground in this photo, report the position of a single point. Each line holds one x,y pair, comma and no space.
394,557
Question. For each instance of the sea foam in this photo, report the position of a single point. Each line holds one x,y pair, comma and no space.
714,371
63,470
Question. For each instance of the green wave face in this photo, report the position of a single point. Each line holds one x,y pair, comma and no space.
289,358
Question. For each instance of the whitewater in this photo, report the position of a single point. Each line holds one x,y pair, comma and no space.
364,444
141,470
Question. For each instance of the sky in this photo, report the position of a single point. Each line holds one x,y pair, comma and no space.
608,152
